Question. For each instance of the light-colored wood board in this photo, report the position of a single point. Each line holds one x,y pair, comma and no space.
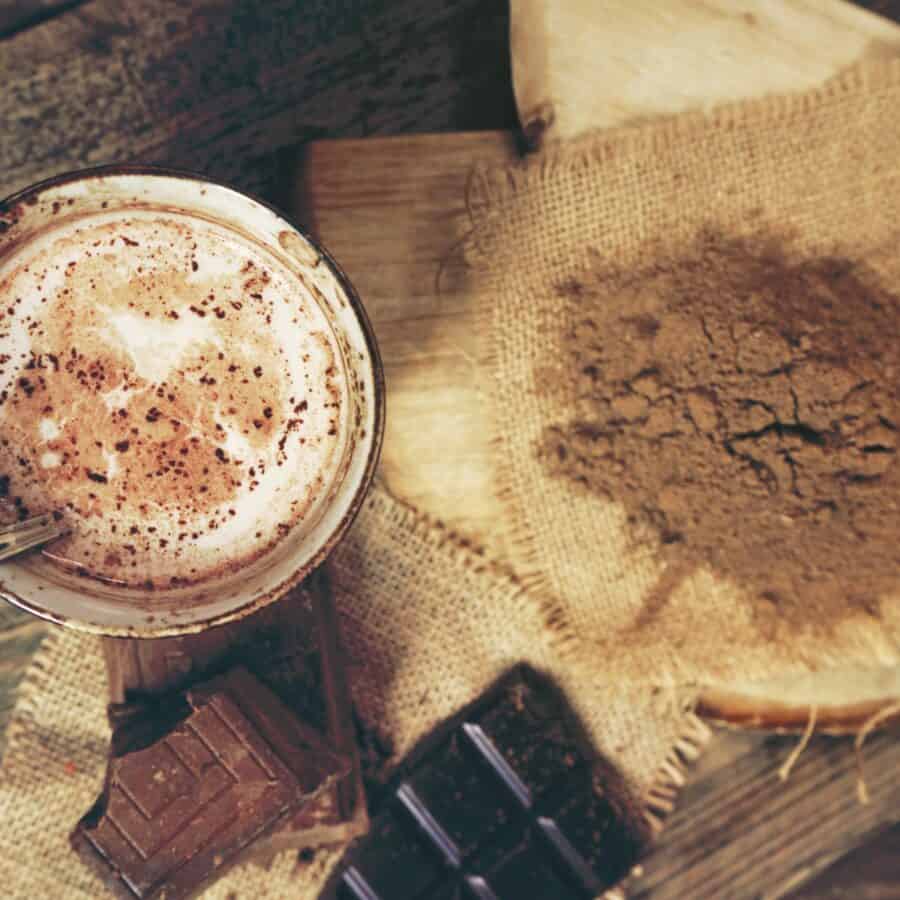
393,212
587,64
854,697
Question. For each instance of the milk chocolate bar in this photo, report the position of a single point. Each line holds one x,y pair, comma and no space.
292,646
179,811
502,802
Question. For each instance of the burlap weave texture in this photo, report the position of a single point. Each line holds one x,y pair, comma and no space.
818,167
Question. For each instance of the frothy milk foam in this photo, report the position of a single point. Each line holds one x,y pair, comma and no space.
172,388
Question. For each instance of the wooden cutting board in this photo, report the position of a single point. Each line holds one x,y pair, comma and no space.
393,212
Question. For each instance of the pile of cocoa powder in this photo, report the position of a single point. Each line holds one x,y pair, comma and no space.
742,403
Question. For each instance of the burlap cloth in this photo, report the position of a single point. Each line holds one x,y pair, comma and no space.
427,623
823,166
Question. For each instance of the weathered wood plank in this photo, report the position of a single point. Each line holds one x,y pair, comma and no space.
18,643
393,211
740,832
871,872
223,85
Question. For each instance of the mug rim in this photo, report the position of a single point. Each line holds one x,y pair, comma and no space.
373,358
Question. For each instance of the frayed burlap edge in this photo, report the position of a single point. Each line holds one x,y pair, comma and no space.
526,590
490,187
660,798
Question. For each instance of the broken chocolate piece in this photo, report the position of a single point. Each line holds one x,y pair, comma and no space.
503,801
303,749
292,646
181,810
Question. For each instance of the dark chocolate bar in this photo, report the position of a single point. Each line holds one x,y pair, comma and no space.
503,802
178,812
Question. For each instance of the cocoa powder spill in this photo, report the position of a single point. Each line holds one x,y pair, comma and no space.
743,406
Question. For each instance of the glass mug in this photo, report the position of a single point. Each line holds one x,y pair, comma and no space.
60,594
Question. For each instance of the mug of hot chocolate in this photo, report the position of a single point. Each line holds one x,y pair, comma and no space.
192,384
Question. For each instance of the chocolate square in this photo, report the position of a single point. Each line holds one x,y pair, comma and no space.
180,810
505,800
293,647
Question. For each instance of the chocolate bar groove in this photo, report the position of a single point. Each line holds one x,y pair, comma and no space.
501,802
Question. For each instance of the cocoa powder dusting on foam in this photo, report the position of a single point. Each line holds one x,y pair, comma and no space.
743,406
120,411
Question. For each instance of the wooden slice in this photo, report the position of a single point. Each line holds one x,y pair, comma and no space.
582,65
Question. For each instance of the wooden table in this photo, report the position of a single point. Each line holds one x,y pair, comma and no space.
229,90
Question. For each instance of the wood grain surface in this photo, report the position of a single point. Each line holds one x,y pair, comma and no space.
740,831
393,211
665,58
228,88
20,636
871,872
222,86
